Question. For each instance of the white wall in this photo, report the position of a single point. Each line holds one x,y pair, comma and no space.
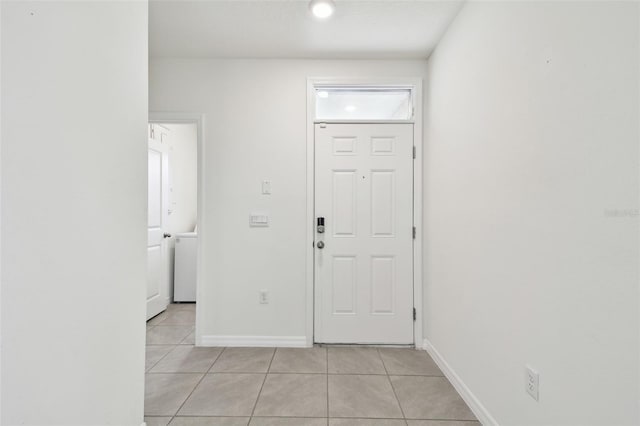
183,174
531,189
74,80
255,129
0,215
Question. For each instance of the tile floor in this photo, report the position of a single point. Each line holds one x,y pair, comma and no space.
323,386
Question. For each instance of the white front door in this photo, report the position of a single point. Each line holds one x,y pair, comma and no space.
364,271
157,292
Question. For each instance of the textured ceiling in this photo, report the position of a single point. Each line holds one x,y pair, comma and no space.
286,29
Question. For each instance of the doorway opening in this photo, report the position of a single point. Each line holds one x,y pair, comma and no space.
174,151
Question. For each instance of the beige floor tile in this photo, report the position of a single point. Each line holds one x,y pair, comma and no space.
293,395
181,307
224,395
164,393
362,396
157,319
209,421
287,421
157,421
355,361
409,362
442,423
430,398
168,335
244,360
366,422
294,360
154,353
190,339
187,359
180,317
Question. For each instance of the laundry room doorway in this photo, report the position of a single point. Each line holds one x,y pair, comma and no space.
173,227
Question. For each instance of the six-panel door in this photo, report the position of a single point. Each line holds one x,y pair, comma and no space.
364,272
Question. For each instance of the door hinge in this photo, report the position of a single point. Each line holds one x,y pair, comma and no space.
414,314
414,152
414,232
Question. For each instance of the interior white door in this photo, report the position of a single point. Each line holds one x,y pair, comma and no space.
364,271
157,292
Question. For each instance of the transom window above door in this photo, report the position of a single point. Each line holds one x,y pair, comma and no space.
363,103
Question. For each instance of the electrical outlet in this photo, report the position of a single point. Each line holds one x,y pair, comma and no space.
264,297
532,382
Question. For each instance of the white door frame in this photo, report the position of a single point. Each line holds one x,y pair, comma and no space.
199,120
415,84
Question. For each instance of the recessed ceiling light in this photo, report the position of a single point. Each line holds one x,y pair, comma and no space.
350,108
323,94
322,9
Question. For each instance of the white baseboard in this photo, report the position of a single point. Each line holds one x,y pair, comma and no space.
472,401
255,341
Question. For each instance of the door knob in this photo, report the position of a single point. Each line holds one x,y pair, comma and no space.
167,235
320,244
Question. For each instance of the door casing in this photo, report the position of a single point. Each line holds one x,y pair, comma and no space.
415,85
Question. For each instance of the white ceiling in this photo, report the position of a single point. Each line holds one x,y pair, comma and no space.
360,29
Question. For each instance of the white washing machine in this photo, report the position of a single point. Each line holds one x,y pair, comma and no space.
184,272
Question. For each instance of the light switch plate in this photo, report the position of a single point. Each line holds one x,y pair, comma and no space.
266,187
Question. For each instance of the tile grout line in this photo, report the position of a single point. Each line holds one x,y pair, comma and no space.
215,360
161,358
263,382
327,359
191,330
391,384
285,373
196,386
189,334
175,345
315,418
